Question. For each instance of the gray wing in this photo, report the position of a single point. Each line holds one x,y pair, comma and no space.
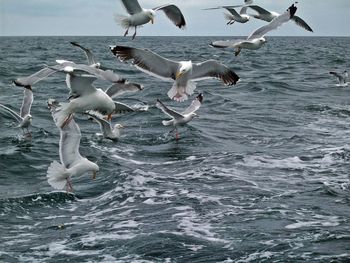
168,111
132,6
89,56
214,69
243,10
117,89
34,78
300,22
195,105
27,102
121,108
105,125
174,14
11,112
225,43
108,75
232,11
147,61
260,10
274,24
69,144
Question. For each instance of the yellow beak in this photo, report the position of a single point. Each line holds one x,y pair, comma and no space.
178,75
152,20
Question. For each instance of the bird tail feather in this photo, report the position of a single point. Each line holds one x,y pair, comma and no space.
57,175
167,123
180,93
121,20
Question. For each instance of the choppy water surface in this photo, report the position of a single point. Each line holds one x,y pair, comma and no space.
261,176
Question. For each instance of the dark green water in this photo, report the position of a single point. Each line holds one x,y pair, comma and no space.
261,176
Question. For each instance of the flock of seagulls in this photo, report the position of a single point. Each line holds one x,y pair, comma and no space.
99,105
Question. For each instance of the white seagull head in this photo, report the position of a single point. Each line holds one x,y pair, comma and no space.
151,14
186,66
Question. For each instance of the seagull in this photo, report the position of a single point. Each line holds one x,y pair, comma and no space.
268,16
89,56
139,16
179,119
256,39
107,131
184,73
342,77
233,16
72,163
83,96
24,118
119,84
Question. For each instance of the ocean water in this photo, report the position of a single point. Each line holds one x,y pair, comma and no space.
261,176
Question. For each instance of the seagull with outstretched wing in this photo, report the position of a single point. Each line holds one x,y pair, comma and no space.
180,118
268,16
108,132
257,39
182,73
233,15
72,163
342,77
24,118
139,16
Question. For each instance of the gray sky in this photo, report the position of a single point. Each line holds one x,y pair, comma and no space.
96,17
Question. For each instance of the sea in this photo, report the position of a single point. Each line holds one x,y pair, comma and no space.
262,175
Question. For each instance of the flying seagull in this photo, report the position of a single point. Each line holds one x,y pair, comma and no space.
108,132
233,15
139,16
268,16
183,73
342,77
179,119
84,96
24,118
256,39
72,163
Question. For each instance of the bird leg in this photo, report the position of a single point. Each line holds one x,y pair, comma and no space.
134,35
126,32
109,117
230,22
177,135
69,186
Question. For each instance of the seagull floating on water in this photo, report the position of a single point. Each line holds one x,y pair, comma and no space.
183,73
139,16
256,39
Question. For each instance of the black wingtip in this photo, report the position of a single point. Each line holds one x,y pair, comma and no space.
74,43
18,84
292,9
200,97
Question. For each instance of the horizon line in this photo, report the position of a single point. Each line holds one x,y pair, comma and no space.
162,36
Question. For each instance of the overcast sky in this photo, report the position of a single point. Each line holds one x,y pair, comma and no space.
96,17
